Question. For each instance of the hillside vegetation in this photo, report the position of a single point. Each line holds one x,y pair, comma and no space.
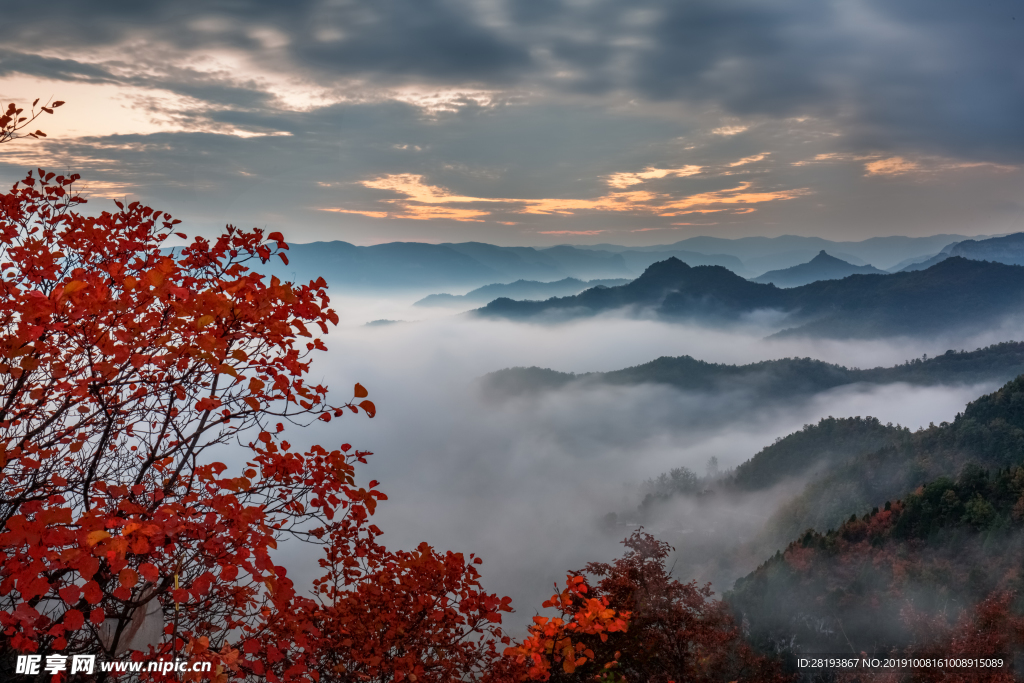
880,581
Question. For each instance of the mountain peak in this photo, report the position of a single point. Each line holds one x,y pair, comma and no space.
659,269
824,266
823,256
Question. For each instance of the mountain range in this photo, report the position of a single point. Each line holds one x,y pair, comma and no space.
518,290
465,266
468,265
419,266
1007,249
761,254
953,294
786,378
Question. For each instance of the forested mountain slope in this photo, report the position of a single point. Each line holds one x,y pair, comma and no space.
891,578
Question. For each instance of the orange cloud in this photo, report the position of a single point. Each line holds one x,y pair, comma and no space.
371,214
927,165
638,200
733,195
892,166
749,160
416,190
421,201
832,156
622,180
875,165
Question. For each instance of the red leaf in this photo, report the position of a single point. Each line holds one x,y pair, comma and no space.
73,620
69,594
92,593
128,577
149,572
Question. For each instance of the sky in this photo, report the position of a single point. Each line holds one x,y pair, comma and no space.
533,122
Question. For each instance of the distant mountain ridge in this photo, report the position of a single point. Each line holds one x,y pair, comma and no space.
772,253
518,290
467,265
1008,249
821,267
784,378
952,294
416,265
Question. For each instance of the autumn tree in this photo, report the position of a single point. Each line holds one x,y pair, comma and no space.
560,648
121,364
657,628
129,370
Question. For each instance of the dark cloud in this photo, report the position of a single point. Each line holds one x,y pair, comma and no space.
12,62
434,39
575,91
947,77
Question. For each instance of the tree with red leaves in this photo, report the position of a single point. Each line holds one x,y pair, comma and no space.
561,646
671,631
124,367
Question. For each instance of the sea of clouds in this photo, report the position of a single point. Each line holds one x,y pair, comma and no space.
526,482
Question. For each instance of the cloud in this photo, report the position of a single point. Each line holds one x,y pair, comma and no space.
891,166
885,75
525,483
571,232
729,130
238,115
897,166
622,180
734,195
420,201
749,160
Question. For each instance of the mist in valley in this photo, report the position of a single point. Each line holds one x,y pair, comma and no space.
528,483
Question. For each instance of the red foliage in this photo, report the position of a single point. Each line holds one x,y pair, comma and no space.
563,640
396,616
989,630
12,121
639,624
121,364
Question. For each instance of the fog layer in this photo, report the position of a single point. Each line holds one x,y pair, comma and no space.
526,483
